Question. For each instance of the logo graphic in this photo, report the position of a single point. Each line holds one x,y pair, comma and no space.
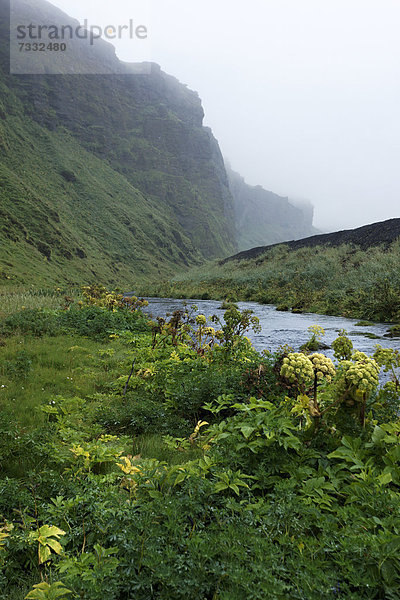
55,43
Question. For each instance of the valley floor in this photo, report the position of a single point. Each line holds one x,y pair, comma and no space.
346,280
169,460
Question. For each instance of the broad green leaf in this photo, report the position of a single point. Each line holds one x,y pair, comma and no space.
154,494
247,431
219,487
385,478
378,435
389,572
44,591
180,477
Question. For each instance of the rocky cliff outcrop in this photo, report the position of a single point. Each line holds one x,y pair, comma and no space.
263,217
127,151
111,174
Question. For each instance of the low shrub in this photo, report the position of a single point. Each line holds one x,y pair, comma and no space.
37,322
98,323
136,416
94,322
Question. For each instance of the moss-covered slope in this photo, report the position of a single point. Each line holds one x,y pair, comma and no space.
108,177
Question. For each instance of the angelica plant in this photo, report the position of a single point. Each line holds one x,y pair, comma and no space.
297,368
389,359
359,379
316,334
342,346
323,369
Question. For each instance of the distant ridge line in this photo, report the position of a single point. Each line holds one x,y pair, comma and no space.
376,234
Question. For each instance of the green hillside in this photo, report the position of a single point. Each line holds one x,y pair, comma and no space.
67,216
109,178
112,177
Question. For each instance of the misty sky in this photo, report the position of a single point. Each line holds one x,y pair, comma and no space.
303,95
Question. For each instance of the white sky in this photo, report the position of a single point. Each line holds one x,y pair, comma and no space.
303,95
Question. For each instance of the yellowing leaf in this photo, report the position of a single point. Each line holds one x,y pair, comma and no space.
54,545
128,467
44,591
50,530
199,425
44,554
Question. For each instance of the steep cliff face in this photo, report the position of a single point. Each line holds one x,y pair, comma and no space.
148,128
112,176
263,217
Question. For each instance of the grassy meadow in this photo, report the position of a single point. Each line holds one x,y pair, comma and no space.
169,460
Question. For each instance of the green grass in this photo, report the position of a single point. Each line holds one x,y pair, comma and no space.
68,367
22,590
62,365
153,446
17,298
56,231
346,281
261,495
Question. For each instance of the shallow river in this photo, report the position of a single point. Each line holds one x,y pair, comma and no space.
284,327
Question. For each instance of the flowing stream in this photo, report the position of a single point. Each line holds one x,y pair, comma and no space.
280,328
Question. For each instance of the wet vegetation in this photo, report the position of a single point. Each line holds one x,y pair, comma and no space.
168,459
343,280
